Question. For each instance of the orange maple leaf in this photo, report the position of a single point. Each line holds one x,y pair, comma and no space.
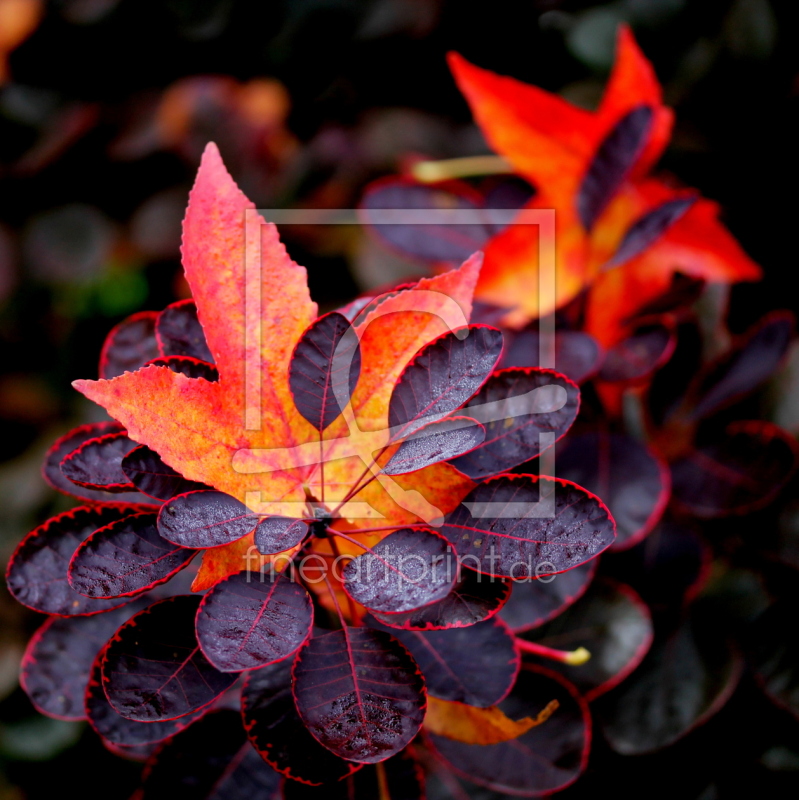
243,434
552,144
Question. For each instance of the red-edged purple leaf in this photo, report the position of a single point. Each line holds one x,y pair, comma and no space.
439,441
324,369
129,345
179,332
437,243
204,519
639,355
68,443
683,292
520,526
739,473
146,470
211,760
648,228
534,602
360,693
474,598
124,558
524,411
612,163
153,669
475,665
773,653
756,357
37,571
277,534
627,475
59,657
406,570
279,735
577,355
116,730
547,758
442,376
613,623
247,621
685,678
399,778
97,463
188,366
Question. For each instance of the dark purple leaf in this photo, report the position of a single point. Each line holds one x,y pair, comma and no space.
686,677
153,669
683,292
125,557
97,463
211,760
639,355
627,475
448,242
612,622
442,376
37,572
360,693
67,444
475,665
474,598
439,441
577,354
519,526
524,411
204,519
185,365
179,332
773,652
278,534
741,472
406,570
399,778
612,163
129,345
648,228
534,602
116,730
547,758
279,735
324,369
145,469
756,357
59,658
247,621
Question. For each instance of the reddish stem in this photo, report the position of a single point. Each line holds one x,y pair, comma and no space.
572,657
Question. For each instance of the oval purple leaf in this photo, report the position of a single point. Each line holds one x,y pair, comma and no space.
179,332
474,598
475,665
639,355
250,620
124,558
524,411
37,571
324,369
185,365
547,758
360,693
129,345
97,463
278,534
153,669
577,354
204,519
151,476
406,570
279,735
627,475
442,376
521,526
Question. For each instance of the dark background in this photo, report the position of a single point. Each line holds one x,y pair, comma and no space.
107,106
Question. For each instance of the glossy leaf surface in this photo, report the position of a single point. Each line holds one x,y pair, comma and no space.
97,463
179,332
204,519
277,534
129,345
146,470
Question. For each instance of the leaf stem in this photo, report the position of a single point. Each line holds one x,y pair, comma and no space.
572,657
451,168
350,602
